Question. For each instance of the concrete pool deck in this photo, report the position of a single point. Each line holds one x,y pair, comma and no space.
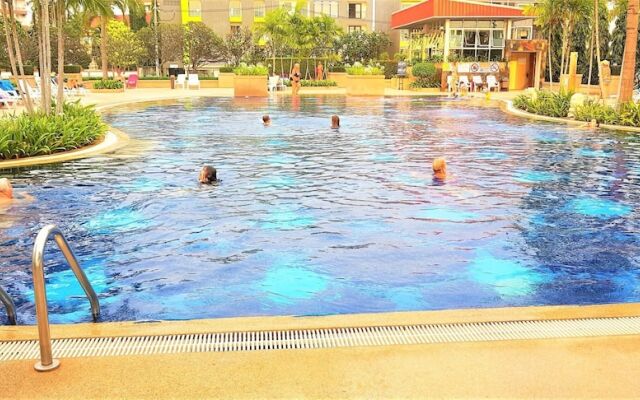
594,367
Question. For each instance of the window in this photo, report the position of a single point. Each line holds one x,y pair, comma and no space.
477,40
521,33
195,8
235,28
356,10
258,9
235,9
354,28
288,5
323,7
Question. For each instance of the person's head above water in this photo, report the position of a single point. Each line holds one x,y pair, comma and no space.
208,174
439,168
335,121
266,119
6,190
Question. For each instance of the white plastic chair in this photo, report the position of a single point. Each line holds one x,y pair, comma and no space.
492,83
273,83
450,83
181,80
477,82
193,81
463,82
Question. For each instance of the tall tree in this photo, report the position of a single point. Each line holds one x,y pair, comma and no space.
629,58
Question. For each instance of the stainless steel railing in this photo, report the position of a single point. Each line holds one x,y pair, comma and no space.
8,304
47,362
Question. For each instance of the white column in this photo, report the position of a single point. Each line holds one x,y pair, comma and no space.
509,25
447,34
373,15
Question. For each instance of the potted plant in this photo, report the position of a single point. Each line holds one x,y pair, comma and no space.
365,80
250,80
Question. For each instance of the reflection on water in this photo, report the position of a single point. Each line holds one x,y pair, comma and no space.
309,220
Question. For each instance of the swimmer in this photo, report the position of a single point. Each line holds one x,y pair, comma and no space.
440,169
266,120
335,122
7,196
208,174
593,124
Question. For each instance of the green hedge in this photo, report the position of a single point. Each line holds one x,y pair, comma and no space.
359,69
108,84
338,68
253,70
226,69
28,135
72,69
546,103
628,114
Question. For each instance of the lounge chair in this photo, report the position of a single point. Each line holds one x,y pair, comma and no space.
24,86
477,83
8,90
181,80
132,81
193,81
7,100
450,83
463,82
273,83
492,83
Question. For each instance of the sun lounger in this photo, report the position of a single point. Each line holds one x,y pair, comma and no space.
193,81
181,80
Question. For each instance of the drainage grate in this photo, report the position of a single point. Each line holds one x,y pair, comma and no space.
325,338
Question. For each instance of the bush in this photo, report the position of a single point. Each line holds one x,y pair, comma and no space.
359,69
312,83
154,78
72,69
390,69
108,84
338,68
426,75
28,69
255,70
601,113
629,114
226,69
28,135
546,103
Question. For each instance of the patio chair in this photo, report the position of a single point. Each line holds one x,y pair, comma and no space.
24,86
7,100
463,82
273,83
449,83
193,81
181,80
132,81
8,89
492,83
477,83
54,89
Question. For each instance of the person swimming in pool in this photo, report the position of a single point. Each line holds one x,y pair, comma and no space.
266,120
208,175
439,169
7,195
335,122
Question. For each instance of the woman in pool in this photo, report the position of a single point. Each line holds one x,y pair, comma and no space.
439,169
208,175
335,122
295,77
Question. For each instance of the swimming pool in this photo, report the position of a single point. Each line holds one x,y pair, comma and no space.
309,221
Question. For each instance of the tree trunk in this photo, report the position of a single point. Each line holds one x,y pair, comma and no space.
629,60
104,37
598,59
60,21
550,69
11,33
45,70
591,41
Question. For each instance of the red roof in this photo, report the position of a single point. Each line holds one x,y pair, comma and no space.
441,9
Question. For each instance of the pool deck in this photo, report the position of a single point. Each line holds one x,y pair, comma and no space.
595,367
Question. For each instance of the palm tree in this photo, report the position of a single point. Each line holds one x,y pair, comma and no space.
629,57
275,30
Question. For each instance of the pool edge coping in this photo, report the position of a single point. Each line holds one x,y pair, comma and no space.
262,323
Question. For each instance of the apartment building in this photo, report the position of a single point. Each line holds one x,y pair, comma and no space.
223,16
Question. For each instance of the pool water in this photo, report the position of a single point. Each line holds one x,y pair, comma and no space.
307,220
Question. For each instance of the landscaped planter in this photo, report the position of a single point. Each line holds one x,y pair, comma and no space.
250,86
107,90
154,84
366,85
340,78
426,90
225,79
209,84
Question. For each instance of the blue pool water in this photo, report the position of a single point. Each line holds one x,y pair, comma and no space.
307,220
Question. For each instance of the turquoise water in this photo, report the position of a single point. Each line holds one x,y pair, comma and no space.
307,220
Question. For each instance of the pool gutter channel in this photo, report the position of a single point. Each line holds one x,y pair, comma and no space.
323,338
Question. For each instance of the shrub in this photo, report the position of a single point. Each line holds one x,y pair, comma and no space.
390,69
312,83
629,114
72,69
154,78
546,103
108,84
27,135
28,69
255,70
592,110
359,69
426,75
338,68
226,69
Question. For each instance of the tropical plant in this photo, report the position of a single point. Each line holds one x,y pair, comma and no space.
34,134
255,70
591,110
426,75
360,69
551,104
124,48
108,84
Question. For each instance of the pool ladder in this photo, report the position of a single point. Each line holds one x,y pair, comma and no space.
47,362
9,305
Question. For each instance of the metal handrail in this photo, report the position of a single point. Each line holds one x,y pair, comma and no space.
9,305
47,362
